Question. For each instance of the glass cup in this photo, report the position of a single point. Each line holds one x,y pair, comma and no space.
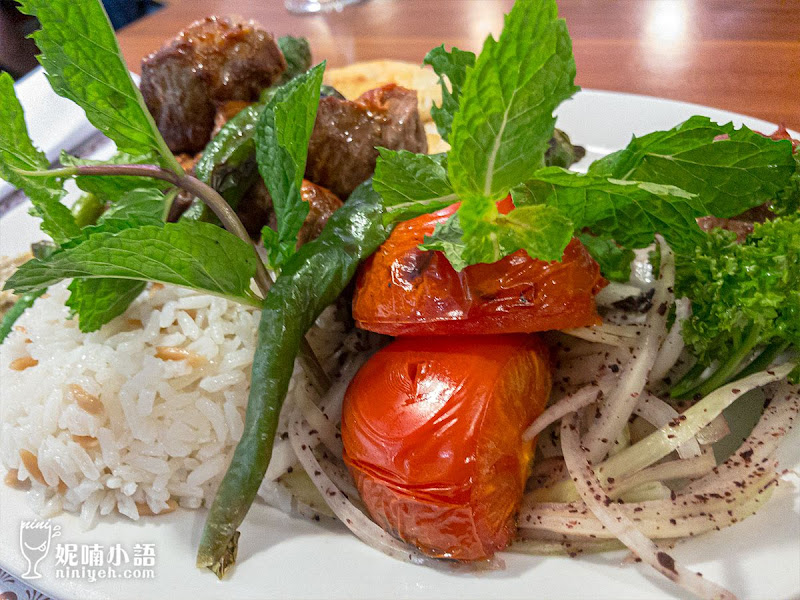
304,7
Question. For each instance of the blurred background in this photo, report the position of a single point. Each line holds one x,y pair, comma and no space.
17,51
739,55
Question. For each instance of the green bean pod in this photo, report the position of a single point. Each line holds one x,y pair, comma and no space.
311,280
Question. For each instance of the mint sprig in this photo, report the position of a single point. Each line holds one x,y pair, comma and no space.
83,62
412,183
194,255
17,152
542,231
505,117
281,138
630,212
108,187
730,170
451,66
98,301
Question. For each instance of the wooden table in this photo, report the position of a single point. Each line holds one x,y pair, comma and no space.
740,55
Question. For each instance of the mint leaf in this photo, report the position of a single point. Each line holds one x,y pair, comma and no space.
447,238
82,60
542,231
281,138
134,209
194,255
728,175
615,262
788,200
98,301
18,152
411,184
505,119
297,53
453,67
629,212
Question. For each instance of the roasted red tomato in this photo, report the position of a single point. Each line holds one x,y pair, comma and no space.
432,432
402,290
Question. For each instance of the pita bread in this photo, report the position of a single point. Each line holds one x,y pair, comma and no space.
355,79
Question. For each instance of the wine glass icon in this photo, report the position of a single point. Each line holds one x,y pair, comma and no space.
34,543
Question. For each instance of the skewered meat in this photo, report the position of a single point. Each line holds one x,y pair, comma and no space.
226,111
256,210
342,154
215,60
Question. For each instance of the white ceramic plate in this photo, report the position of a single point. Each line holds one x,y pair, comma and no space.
284,557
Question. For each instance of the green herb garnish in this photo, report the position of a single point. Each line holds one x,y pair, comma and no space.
83,62
451,66
281,138
195,255
745,297
730,170
410,182
18,152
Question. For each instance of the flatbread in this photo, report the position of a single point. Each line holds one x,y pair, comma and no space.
355,79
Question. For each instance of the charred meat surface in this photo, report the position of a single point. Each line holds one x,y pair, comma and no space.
322,203
213,61
256,210
342,154
226,111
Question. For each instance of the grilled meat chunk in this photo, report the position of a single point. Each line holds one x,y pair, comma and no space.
215,60
342,154
225,112
322,203
256,210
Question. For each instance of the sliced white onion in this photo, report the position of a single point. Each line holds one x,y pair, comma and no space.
618,523
611,335
686,515
616,409
615,291
714,431
321,426
687,468
356,521
673,344
675,433
330,406
778,419
571,548
658,413
569,404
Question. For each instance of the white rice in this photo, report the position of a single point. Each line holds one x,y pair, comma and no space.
167,428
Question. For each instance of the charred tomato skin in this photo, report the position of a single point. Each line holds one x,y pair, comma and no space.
432,431
402,290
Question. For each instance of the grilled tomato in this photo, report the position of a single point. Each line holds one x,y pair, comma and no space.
402,290
432,432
